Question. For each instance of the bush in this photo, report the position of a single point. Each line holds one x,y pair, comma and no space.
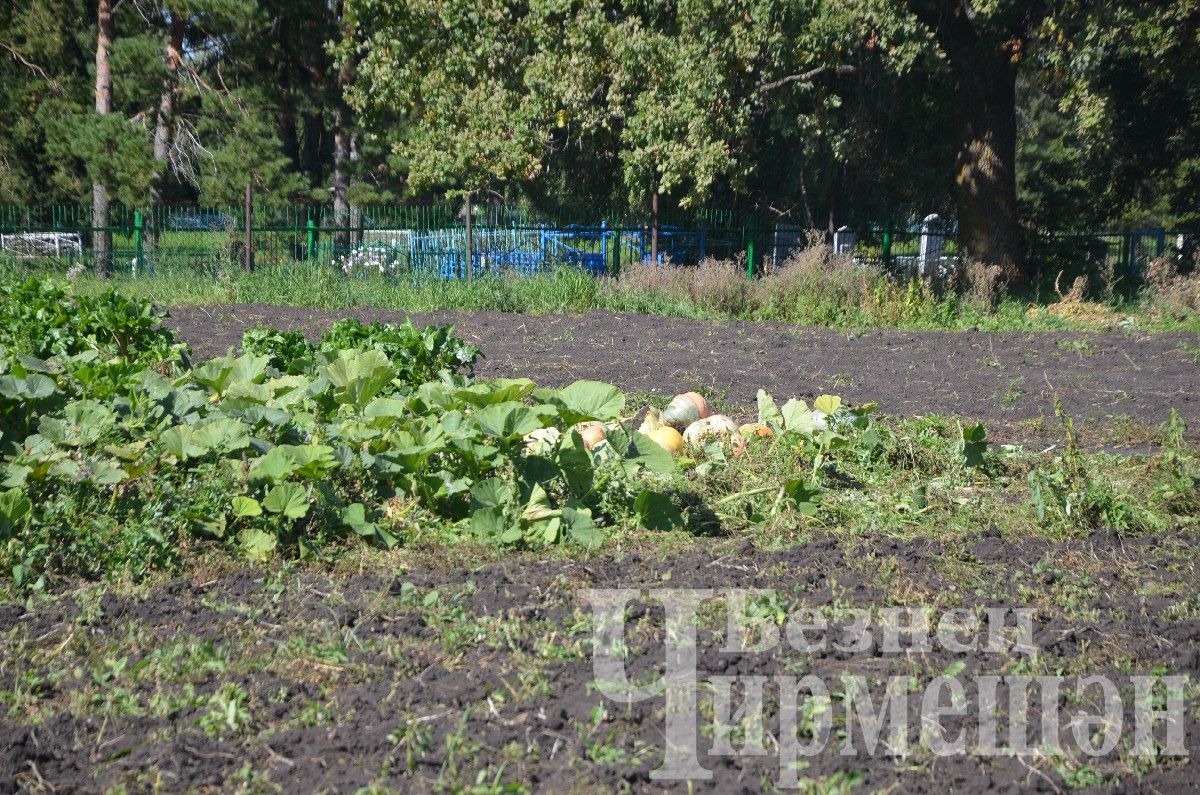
646,277
714,285
814,285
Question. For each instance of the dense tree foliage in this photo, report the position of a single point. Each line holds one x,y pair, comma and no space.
1004,115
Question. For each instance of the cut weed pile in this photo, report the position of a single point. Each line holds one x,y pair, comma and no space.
350,563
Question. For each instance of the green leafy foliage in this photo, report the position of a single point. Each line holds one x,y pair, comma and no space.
974,444
418,355
379,431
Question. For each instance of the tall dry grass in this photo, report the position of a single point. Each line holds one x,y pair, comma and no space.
813,285
713,285
1175,289
981,286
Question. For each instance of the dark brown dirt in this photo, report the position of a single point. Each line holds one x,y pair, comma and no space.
495,675
1006,380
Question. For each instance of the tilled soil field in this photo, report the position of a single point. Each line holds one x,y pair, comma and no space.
1006,380
469,679
451,669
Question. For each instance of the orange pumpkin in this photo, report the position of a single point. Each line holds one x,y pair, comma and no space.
593,433
757,429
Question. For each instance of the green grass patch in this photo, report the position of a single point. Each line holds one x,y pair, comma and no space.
834,296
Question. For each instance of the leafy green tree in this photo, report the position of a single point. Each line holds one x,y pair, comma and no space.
456,69
1129,88
46,55
981,46
668,98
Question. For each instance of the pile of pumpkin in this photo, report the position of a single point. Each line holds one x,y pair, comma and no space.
686,423
690,414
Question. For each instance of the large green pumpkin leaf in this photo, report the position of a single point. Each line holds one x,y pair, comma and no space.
491,493
244,507
105,473
358,376
257,545
501,390
489,523
14,506
390,408
797,417
576,463
584,401
655,511
276,465
645,452
974,444
180,441
768,412
508,421
581,527
288,499
219,374
306,460
827,404
805,496
223,435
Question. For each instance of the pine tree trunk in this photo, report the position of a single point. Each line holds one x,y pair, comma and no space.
164,125
342,154
341,177
315,147
101,237
985,173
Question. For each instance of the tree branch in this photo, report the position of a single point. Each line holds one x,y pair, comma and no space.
16,54
840,69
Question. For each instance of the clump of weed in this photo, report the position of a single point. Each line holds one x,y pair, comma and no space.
813,283
1075,493
648,277
980,285
1176,289
720,286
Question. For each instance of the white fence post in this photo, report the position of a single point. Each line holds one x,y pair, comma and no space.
933,240
844,240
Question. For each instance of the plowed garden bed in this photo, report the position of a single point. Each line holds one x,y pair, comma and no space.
1118,383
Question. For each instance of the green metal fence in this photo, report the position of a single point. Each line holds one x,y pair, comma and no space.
435,240
419,239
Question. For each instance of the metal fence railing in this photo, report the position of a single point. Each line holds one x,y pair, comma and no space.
435,241
429,240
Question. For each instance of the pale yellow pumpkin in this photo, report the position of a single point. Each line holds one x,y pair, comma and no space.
652,422
668,438
718,426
